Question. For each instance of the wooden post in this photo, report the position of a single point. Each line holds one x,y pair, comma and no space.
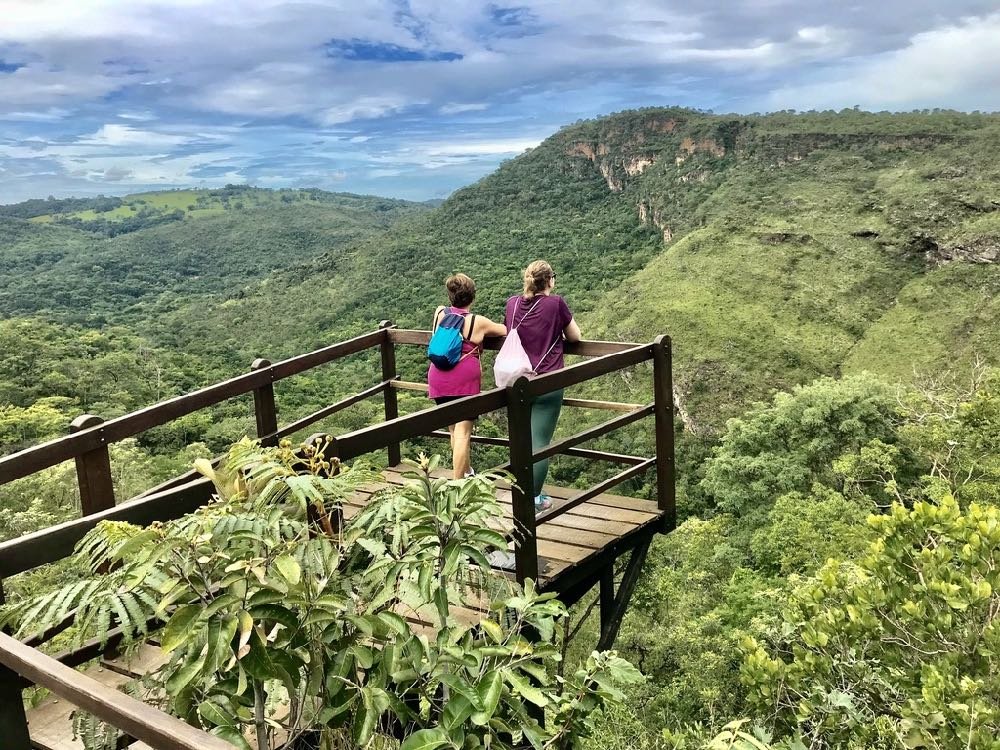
663,410
523,490
389,373
13,722
607,596
264,407
93,470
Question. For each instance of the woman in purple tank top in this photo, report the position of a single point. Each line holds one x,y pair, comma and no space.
544,322
465,378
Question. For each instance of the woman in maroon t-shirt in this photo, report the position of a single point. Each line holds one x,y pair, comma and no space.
543,321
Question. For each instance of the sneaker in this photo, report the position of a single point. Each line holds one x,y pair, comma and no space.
503,559
542,502
470,473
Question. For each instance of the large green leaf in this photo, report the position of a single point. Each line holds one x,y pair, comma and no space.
490,690
526,690
289,569
426,739
180,627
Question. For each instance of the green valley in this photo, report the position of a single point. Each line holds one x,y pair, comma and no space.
831,284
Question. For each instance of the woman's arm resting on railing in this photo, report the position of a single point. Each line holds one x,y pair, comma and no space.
572,331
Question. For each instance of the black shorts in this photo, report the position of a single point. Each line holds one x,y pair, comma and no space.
445,399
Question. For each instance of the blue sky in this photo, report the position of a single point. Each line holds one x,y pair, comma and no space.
414,98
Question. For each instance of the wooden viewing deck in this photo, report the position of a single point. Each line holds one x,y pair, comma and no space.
568,549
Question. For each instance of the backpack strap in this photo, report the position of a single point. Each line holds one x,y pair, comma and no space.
526,315
546,355
472,326
438,316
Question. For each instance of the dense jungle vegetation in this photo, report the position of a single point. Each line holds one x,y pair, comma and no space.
830,282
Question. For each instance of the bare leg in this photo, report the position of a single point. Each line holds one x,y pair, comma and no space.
461,445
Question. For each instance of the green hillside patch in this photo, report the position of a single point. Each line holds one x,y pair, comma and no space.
750,314
74,276
941,322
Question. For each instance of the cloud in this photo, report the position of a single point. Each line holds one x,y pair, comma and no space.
454,108
414,97
954,66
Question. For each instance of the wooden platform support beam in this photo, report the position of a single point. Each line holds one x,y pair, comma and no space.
388,350
264,408
523,490
614,605
93,470
663,414
13,722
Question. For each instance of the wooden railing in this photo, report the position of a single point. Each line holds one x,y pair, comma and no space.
89,438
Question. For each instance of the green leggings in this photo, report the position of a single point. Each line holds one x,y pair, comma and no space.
544,415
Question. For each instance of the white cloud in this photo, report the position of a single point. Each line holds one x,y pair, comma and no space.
115,135
480,148
454,109
954,66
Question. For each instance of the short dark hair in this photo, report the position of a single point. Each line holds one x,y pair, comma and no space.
461,290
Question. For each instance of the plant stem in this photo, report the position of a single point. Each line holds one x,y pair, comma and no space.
263,743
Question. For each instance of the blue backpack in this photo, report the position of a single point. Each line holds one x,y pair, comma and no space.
445,347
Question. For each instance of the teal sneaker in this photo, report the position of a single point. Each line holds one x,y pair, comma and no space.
542,502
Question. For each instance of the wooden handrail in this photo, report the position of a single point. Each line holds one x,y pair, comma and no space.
56,542
145,723
56,451
592,432
326,411
584,348
372,438
594,368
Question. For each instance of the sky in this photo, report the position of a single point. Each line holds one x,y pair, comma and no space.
415,98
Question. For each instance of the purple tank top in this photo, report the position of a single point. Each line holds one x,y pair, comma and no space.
465,378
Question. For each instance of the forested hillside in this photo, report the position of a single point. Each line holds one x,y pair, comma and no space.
830,282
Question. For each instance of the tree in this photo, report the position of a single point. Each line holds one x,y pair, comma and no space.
899,650
791,443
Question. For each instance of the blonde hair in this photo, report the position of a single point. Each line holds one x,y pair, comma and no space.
536,278
461,290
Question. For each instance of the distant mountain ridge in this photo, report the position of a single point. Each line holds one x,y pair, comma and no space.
773,249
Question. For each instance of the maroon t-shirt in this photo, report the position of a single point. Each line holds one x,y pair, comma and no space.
540,322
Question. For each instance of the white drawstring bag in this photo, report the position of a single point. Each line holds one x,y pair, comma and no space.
512,361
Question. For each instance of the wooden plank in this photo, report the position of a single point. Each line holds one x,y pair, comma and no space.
145,660
303,362
93,471
50,722
580,498
594,368
56,542
131,716
522,491
13,722
613,507
664,403
389,396
264,409
373,438
326,411
406,385
580,530
587,403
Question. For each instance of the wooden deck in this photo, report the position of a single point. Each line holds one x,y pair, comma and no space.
589,539
569,544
